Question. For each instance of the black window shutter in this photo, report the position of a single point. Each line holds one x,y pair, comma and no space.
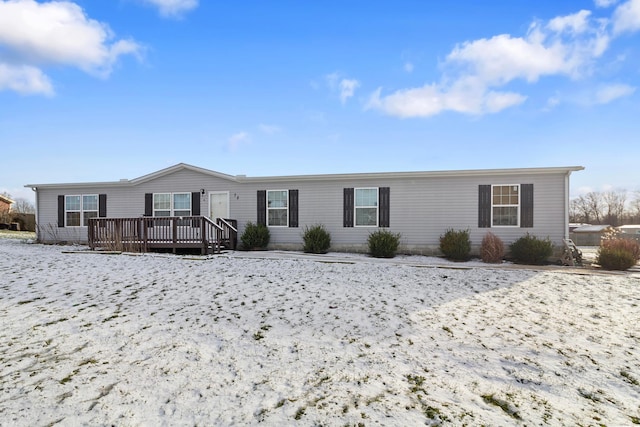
102,205
195,203
293,208
484,206
384,206
526,205
60,211
261,217
348,207
148,204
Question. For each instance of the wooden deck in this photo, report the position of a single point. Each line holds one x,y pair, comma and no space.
146,234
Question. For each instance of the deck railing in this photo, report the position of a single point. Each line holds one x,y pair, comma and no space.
143,234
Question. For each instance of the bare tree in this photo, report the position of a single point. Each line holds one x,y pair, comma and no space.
579,210
23,206
634,209
595,205
614,201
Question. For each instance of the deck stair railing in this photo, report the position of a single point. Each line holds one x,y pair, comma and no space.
143,234
229,232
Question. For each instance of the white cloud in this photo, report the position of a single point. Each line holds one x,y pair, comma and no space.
56,33
347,89
25,80
173,8
408,67
237,139
575,23
626,17
432,99
476,71
605,3
608,93
269,129
344,87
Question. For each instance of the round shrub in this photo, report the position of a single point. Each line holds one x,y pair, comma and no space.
383,244
491,248
317,240
455,244
629,245
531,250
615,259
255,236
618,254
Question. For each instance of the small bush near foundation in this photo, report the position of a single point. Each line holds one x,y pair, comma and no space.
491,248
317,240
255,236
531,250
455,244
618,254
383,244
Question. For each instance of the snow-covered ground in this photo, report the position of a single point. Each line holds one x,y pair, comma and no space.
281,339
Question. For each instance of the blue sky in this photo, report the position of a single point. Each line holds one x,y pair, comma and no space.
102,90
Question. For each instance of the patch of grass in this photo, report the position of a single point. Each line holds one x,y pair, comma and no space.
29,301
68,377
629,378
258,336
588,395
434,413
88,361
502,404
299,413
53,322
416,382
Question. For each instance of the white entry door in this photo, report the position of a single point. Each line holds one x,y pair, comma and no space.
219,205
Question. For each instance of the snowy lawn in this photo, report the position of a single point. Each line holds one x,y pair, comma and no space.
243,339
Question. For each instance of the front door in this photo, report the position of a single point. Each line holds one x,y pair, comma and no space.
219,205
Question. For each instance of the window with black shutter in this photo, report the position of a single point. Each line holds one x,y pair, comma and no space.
348,207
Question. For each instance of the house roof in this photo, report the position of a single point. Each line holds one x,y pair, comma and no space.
591,228
6,199
317,177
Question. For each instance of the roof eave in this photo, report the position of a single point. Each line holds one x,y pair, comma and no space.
416,174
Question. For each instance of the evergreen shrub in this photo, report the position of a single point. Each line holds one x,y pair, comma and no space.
455,244
383,244
531,250
317,240
255,236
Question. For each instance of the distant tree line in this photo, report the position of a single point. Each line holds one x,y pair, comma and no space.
614,207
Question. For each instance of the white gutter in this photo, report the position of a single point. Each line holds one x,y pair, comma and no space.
566,205
35,190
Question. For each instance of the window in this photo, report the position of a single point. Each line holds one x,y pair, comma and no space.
505,205
172,204
79,209
277,208
366,207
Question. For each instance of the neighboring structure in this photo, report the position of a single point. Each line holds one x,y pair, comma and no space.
420,206
630,229
5,204
590,235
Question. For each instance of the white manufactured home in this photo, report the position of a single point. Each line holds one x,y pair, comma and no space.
188,206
